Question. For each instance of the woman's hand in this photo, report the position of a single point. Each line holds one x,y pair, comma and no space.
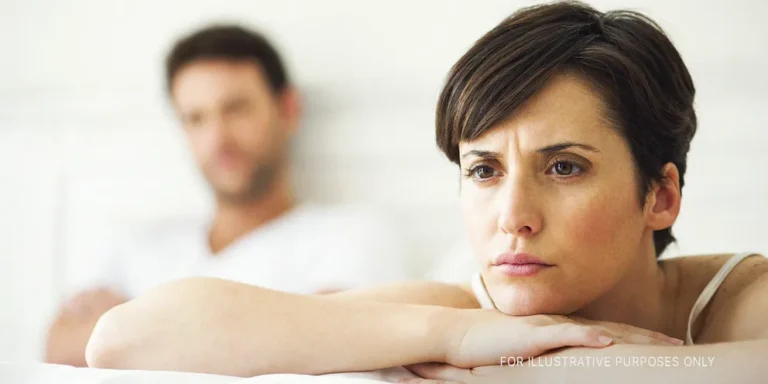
488,337
435,373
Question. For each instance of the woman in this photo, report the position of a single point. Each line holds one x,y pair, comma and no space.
571,129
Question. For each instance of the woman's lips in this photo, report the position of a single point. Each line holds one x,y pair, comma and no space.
520,270
519,264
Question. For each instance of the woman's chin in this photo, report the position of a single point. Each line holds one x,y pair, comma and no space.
515,301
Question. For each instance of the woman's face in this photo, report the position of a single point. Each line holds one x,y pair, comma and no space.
550,201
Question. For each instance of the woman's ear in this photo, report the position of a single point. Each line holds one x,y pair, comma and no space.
663,204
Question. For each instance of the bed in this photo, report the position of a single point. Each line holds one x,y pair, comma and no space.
34,373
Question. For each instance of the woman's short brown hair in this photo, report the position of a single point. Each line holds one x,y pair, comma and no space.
645,86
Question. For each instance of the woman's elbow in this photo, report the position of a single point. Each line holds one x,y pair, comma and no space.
129,335
107,346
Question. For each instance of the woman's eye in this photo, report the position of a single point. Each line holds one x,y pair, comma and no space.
482,172
565,168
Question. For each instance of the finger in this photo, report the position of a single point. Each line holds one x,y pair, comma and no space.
619,330
427,381
424,370
643,340
638,335
437,371
568,335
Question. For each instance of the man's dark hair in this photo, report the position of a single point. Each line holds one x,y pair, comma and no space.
228,42
645,87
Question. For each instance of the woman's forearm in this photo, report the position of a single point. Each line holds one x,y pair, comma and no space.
415,292
217,326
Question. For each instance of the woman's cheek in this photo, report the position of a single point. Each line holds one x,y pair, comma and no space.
598,221
480,216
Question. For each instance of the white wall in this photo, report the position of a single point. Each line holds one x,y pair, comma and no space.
86,136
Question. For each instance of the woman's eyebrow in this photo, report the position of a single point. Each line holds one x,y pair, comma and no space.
561,146
548,149
481,154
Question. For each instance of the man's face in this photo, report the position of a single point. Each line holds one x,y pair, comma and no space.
237,127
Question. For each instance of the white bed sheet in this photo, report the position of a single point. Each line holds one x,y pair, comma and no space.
39,373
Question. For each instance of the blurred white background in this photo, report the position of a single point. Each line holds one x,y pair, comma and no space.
87,138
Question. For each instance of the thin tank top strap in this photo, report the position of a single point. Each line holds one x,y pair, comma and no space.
481,293
709,291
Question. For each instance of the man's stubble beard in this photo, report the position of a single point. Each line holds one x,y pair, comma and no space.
261,181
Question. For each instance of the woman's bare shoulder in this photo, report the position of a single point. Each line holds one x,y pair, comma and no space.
739,308
467,287
693,272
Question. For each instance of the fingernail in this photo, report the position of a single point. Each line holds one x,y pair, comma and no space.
605,340
677,341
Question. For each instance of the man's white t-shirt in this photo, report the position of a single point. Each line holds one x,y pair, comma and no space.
306,250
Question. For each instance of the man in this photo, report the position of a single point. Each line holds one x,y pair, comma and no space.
239,112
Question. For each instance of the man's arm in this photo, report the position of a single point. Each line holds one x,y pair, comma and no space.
69,332
93,285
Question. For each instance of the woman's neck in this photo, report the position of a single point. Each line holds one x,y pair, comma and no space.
646,297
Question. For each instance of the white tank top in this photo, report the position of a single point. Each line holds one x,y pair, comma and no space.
478,287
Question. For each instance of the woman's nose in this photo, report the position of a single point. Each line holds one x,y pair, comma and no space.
519,214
